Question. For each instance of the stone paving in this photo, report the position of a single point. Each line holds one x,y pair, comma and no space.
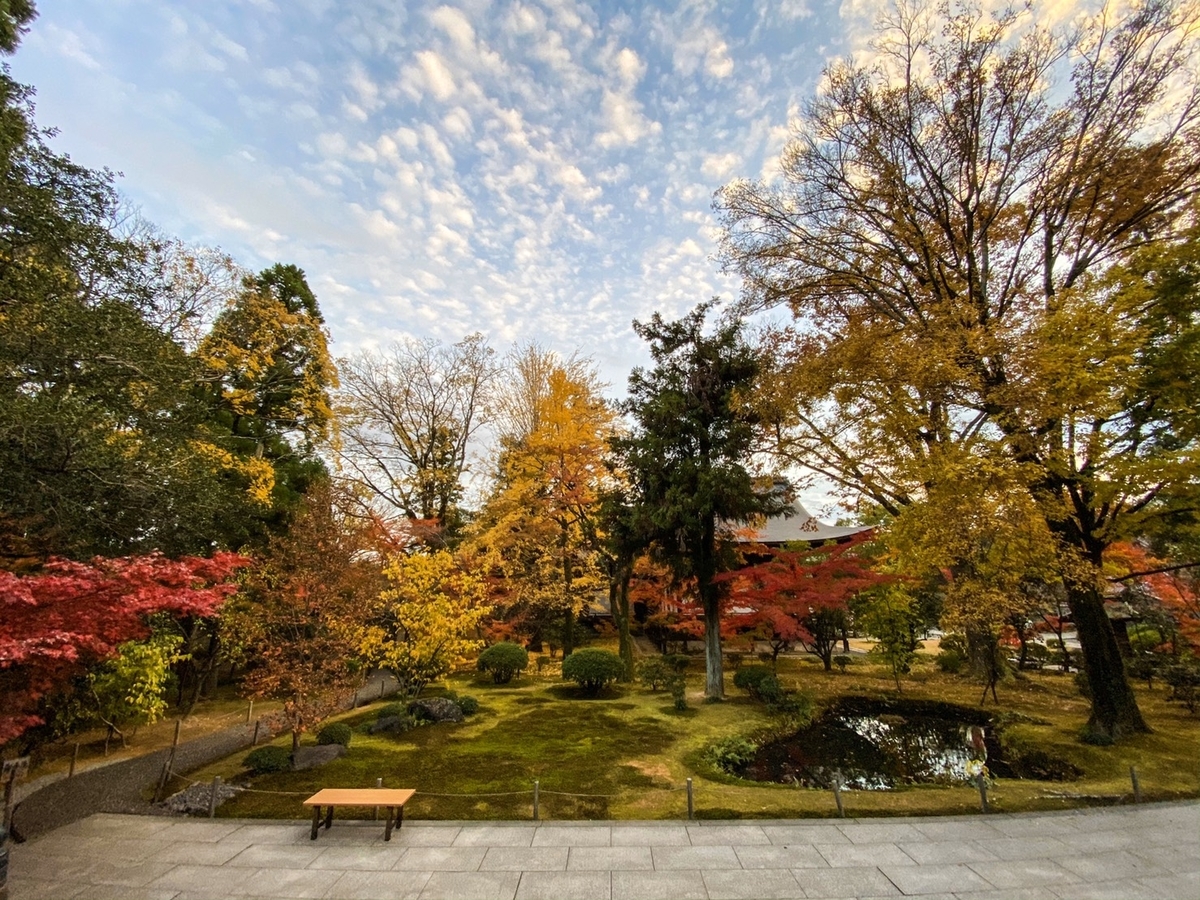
1150,851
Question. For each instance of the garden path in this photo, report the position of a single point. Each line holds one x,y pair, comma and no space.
118,787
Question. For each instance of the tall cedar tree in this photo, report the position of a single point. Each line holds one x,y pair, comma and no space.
941,231
686,456
71,615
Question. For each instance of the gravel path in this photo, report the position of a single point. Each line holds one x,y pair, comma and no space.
118,788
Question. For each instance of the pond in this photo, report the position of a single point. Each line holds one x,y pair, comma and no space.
880,744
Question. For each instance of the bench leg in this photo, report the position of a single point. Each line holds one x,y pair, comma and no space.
329,817
316,823
387,829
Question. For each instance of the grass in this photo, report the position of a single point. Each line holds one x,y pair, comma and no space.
627,755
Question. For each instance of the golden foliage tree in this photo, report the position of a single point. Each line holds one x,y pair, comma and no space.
428,620
942,230
540,526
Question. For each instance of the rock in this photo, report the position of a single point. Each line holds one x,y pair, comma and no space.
194,799
389,724
312,757
439,709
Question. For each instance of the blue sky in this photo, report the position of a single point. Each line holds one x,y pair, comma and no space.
531,169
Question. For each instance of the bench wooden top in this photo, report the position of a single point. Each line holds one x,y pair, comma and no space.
360,797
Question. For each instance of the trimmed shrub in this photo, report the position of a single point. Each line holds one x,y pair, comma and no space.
841,661
592,668
748,678
677,661
265,760
731,755
335,733
677,685
735,660
503,661
468,704
950,661
655,673
392,710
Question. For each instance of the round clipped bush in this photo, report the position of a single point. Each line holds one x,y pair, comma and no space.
468,704
503,661
391,710
592,668
655,673
335,733
748,678
265,760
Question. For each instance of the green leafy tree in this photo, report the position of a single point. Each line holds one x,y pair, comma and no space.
686,456
131,688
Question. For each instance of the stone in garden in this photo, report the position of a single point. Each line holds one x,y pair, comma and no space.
194,799
387,724
437,708
312,757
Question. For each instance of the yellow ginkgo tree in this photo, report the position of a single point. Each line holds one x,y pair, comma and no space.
428,620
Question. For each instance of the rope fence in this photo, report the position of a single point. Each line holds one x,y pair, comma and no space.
980,782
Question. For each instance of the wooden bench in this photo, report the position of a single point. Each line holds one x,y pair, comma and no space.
390,798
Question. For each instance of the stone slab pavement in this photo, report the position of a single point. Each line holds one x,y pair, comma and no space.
1129,852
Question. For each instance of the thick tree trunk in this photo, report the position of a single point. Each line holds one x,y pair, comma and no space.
618,598
1115,709
295,741
714,676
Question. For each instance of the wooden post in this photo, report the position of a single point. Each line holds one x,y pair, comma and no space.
981,783
536,788
355,702
257,724
212,797
382,681
837,794
1137,787
375,812
249,712
691,801
74,761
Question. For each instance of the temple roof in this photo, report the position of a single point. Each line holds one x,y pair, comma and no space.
797,524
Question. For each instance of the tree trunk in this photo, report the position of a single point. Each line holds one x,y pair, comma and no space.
618,598
568,641
295,741
1115,709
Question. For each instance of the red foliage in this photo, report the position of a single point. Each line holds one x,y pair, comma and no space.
801,595
70,615
1176,591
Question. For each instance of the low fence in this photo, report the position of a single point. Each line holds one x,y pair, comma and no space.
982,784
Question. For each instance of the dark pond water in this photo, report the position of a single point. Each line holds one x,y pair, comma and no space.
878,744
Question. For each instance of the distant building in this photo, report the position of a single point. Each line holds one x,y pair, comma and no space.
797,524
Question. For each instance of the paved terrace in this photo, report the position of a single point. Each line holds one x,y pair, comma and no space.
1123,852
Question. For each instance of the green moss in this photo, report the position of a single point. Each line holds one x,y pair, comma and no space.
636,752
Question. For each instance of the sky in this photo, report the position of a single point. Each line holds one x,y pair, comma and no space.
530,169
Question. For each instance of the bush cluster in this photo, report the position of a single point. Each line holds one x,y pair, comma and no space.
655,673
757,681
503,660
731,755
592,668
265,760
469,705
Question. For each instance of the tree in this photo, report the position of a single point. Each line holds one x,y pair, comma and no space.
804,595
541,524
428,621
71,615
686,456
130,688
267,375
296,621
409,418
941,232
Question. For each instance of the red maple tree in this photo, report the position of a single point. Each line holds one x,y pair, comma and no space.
802,595
70,615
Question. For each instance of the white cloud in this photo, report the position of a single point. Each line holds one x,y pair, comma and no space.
430,74
720,165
